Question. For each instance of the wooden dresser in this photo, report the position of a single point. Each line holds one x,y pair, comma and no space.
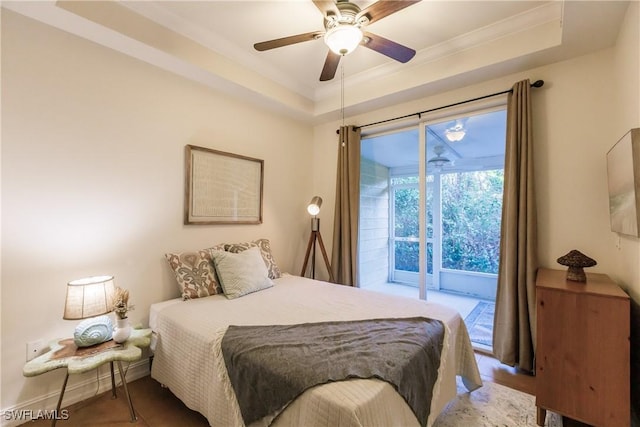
582,354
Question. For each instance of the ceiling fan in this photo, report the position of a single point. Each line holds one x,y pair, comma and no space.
344,22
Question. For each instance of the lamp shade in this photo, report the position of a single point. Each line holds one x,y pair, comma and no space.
89,297
343,39
456,132
314,206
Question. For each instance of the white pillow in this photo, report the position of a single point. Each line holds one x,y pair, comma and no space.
241,273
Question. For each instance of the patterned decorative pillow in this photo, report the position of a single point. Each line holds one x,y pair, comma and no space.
195,273
241,273
265,251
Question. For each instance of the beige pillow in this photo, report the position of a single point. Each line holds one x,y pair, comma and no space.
241,273
265,251
195,273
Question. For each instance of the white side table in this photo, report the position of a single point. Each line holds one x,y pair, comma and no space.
63,353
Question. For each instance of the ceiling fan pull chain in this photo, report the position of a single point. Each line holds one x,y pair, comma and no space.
342,91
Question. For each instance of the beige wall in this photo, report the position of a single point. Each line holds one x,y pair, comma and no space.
585,106
626,75
627,98
92,182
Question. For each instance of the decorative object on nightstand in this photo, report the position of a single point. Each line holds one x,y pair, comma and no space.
576,261
314,209
122,330
120,308
86,299
64,354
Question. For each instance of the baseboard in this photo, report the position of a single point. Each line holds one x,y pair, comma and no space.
75,392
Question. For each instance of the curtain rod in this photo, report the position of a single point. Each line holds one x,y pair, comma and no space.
537,83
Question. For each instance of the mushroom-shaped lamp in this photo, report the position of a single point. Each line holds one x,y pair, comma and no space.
576,261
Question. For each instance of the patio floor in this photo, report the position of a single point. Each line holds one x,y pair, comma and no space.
463,303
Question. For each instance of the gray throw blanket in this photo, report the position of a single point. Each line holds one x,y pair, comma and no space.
269,366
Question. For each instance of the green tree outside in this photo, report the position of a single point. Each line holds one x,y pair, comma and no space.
471,215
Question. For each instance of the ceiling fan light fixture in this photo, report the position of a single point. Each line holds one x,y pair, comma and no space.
455,133
438,161
343,39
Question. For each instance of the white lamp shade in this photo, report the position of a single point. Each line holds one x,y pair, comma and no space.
343,39
89,297
455,133
314,206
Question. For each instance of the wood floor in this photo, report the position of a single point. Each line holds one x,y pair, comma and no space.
494,371
158,407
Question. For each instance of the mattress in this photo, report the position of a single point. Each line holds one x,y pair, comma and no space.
188,359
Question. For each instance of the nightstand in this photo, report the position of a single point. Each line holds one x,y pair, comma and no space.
582,356
64,354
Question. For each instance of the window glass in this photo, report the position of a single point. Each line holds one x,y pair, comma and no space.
471,214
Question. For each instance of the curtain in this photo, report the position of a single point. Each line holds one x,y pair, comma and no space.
514,328
344,256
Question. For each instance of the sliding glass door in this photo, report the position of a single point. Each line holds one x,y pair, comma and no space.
465,160
431,200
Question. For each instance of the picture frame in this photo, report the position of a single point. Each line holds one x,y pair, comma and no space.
221,187
623,178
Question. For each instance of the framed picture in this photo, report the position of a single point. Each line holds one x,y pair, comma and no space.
623,173
222,188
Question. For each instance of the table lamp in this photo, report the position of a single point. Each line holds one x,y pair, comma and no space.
86,299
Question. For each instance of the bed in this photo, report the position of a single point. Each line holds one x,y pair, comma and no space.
188,360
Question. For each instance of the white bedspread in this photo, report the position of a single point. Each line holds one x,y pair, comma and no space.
188,357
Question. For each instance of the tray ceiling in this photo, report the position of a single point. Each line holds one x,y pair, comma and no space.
457,42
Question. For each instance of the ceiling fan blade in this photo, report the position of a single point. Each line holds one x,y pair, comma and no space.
327,7
330,66
389,48
383,8
286,41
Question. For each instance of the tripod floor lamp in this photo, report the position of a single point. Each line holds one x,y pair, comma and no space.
314,209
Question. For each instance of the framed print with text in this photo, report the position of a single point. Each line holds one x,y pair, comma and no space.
222,188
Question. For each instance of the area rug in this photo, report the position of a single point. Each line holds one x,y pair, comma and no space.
492,405
480,323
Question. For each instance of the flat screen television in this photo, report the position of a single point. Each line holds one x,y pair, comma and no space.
623,176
